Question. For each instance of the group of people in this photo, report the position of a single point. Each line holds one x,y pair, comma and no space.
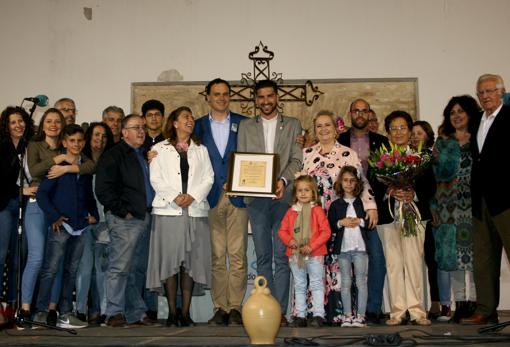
136,206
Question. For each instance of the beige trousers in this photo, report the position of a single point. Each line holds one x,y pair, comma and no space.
404,268
229,235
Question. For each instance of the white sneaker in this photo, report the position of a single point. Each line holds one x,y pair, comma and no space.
346,321
70,321
359,321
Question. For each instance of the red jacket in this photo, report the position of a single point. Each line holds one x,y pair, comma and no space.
320,230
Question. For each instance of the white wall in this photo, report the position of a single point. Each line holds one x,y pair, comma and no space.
49,47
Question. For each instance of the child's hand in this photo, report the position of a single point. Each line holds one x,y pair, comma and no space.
91,219
293,244
306,249
350,222
57,224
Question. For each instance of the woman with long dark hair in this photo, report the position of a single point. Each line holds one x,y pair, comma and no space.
91,272
16,128
451,207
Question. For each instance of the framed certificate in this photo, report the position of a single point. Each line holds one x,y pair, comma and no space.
252,174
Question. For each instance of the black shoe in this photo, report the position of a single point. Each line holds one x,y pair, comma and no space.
186,321
235,318
316,322
51,319
172,320
81,316
220,318
153,315
299,322
373,318
20,322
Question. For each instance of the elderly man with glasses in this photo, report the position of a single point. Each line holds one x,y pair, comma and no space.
123,187
489,193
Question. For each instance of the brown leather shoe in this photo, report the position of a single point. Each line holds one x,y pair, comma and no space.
284,322
477,318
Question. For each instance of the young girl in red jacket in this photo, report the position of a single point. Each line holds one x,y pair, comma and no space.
305,231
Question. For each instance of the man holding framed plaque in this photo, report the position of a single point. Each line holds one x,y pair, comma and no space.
274,134
228,218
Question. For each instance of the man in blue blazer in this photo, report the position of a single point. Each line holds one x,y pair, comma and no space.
228,219
272,132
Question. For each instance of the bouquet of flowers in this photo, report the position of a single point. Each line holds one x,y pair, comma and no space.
398,167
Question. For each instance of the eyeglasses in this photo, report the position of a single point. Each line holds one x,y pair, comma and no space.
66,110
153,115
400,129
373,120
137,127
486,91
360,111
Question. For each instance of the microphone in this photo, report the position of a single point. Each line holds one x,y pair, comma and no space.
39,100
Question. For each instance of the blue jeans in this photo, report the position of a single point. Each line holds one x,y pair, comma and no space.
9,242
360,262
314,266
445,287
84,276
129,253
60,246
36,230
376,272
265,217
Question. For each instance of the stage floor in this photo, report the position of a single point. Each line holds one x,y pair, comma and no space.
203,335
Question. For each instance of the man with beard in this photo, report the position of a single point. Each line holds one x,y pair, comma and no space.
271,132
360,139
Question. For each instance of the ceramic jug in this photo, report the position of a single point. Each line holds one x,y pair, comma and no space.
261,314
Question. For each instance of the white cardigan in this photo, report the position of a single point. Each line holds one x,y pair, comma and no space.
165,170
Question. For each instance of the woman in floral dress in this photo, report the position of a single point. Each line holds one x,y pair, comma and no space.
323,161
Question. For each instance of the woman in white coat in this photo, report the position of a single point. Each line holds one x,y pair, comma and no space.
181,175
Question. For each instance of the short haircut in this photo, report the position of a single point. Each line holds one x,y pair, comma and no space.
115,109
339,190
266,84
492,77
61,100
153,104
71,129
355,101
398,114
125,120
216,81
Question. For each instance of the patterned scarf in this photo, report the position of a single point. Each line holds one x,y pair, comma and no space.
302,229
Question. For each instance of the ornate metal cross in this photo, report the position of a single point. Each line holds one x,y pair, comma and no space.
244,91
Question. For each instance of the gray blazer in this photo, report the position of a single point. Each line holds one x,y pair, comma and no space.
251,139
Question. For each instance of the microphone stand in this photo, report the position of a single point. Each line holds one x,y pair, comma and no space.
25,320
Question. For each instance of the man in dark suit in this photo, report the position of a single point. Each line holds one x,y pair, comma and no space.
489,191
272,132
228,218
360,139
